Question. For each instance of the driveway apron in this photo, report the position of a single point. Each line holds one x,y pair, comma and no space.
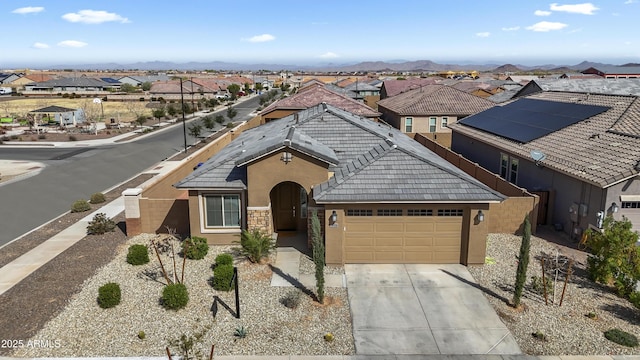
422,309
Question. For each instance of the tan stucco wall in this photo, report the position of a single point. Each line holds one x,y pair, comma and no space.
226,238
277,114
334,236
159,215
476,241
507,217
265,174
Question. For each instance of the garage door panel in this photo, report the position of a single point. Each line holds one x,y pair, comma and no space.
409,239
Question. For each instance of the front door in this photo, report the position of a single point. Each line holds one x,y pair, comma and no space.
286,201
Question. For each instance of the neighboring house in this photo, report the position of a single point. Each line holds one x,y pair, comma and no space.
579,152
574,76
71,85
139,80
615,72
391,88
474,88
593,86
6,79
313,95
31,78
430,110
522,79
381,197
369,94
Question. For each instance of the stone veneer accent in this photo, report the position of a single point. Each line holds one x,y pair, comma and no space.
320,211
261,219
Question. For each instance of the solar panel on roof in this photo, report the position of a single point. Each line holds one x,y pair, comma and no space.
525,120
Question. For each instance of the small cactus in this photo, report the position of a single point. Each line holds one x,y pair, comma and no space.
328,337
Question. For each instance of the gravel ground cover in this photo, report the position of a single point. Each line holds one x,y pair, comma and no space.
84,329
567,329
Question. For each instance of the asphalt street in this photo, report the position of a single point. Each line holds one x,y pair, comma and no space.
71,174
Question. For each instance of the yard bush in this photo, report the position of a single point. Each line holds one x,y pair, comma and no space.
621,337
109,295
100,224
80,206
292,299
634,297
195,248
138,254
97,198
255,244
222,276
224,259
175,296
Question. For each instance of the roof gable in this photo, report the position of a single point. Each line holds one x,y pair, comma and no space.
435,99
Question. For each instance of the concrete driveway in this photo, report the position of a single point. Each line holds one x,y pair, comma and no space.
422,309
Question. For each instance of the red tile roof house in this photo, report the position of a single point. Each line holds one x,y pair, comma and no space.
313,95
430,109
394,87
580,152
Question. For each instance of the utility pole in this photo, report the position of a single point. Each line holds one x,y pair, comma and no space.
184,124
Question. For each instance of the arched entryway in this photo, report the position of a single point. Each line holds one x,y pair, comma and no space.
289,210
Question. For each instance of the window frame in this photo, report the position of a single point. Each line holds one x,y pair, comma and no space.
204,225
504,166
433,124
444,122
408,124
513,174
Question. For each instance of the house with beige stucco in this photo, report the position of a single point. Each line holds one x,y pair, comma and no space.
381,197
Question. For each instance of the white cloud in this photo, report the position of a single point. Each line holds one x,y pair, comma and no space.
329,55
630,2
28,10
39,45
94,17
483,34
542,13
585,9
545,26
72,43
514,28
261,38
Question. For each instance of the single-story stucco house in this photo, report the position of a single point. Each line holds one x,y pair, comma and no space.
381,197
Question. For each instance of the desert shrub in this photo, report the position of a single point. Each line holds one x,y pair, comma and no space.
97,198
292,299
80,206
109,295
195,248
621,337
42,136
141,335
240,332
100,224
255,244
138,255
73,138
175,296
222,276
224,259
634,297
616,258
537,287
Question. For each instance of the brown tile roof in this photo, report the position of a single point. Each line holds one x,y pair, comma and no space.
395,87
435,100
316,94
601,150
38,77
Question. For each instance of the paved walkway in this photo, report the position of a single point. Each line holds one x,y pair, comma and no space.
286,272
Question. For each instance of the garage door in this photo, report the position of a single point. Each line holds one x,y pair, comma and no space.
403,239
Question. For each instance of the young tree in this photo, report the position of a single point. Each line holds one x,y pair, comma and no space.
146,86
171,110
523,261
318,254
219,119
616,258
158,113
195,130
140,120
128,88
209,123
258,86
231,113
233,89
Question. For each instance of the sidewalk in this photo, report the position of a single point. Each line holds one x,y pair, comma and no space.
17,270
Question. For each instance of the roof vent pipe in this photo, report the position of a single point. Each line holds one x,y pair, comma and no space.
295,118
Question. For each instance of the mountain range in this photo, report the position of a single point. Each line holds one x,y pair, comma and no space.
368,66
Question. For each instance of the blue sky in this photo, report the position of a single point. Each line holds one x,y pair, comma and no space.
300,32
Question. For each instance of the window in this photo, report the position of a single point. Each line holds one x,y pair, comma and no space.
408,125
631,204
513,176
389,212
445,122
432,124
222,210
359,212
504,165
419,212
450,212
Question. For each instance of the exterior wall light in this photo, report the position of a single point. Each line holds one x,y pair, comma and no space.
480,216
286,157
333,219
614,208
